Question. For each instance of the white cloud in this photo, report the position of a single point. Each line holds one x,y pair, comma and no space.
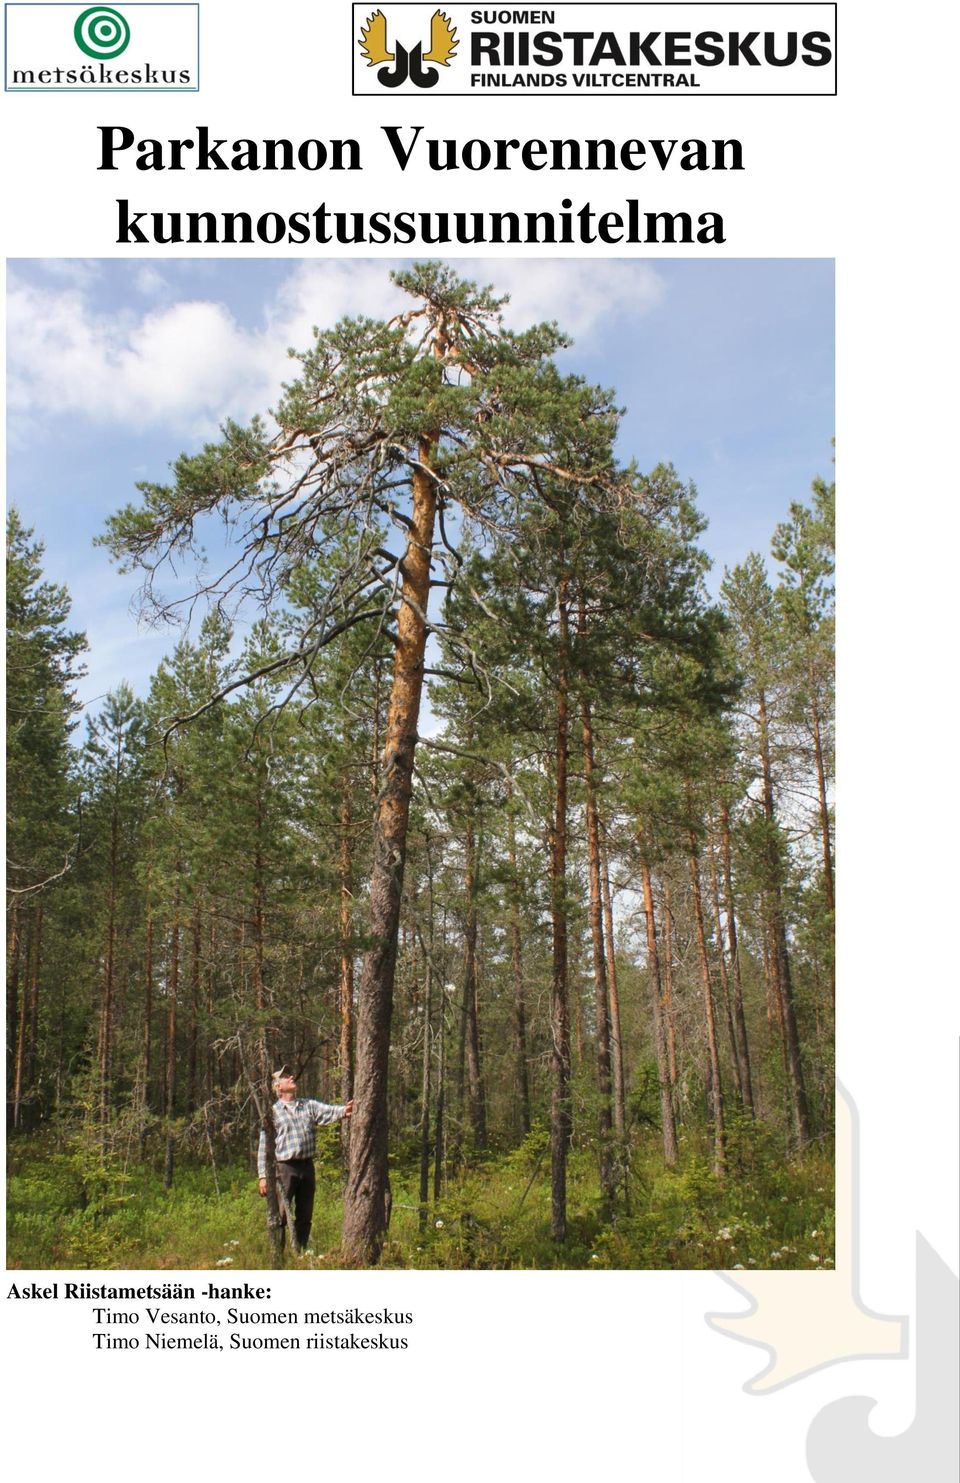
320,293
149,281
586,297
186,365
119,368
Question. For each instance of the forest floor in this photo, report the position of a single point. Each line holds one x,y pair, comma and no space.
65,1209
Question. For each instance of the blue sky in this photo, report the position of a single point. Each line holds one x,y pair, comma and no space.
116,366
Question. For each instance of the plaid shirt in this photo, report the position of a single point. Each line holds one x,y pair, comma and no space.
295,1123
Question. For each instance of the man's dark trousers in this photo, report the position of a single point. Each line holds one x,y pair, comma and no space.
299,1182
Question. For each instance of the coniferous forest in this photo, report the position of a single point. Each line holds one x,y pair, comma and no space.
459,795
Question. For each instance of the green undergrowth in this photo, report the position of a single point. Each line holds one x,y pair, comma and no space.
69,1210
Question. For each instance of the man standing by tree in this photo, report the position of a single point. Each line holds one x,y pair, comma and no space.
296,1120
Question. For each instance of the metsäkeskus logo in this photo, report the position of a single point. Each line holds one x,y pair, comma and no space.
140,48
102,32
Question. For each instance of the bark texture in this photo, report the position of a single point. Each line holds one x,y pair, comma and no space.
560,1114
367,1197
667,1118
715,1088
601,1002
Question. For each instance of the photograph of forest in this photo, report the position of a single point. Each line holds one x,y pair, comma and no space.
448,761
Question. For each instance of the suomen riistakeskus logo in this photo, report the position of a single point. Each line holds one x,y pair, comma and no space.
62,48
592,48
410,63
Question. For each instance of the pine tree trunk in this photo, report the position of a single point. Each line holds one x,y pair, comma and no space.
438,1133
146,1051
715,1088
824,822
106,995
799,1105
259,923
668,1010
516,964
425,1094
605,1117
721,959
746,1075
616,1037
774,1018
667,1119
799,1110
171,1078
471,1024
192,1043
211,1065
258,1077
367,1197
274,1213
560,1111
346,955
822,797
345,980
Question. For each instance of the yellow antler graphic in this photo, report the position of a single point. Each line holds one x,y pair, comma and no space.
442,43
373,40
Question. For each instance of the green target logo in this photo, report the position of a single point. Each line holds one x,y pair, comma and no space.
101,32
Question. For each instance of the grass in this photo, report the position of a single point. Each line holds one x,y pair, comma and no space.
66,1209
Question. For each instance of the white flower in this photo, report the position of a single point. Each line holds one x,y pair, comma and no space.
438,1224
724,1234
594,1257
224,1261
737,1267
813,1257
814,1233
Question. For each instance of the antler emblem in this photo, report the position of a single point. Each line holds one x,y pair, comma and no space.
410,63
373,40
442,42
